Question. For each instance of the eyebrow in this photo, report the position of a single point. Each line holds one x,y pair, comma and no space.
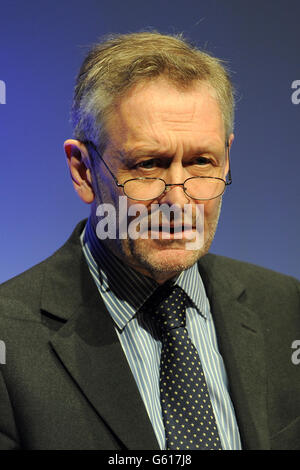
132,155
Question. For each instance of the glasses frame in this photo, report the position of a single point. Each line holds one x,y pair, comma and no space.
167,185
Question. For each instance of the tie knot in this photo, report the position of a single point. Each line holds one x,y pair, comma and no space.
169,313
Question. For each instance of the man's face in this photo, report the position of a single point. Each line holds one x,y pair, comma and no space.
157,130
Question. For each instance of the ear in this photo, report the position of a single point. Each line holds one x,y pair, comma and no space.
230,140
78,163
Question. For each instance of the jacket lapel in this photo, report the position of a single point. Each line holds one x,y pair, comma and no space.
241,344
90,350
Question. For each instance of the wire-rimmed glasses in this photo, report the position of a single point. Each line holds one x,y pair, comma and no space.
202,188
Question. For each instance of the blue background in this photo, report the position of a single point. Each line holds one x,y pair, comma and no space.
42,44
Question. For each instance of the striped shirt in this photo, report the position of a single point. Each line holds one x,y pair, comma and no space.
124,291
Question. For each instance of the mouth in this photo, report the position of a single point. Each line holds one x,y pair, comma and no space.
173,228
172,231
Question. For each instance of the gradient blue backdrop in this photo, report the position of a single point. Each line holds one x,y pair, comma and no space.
42,44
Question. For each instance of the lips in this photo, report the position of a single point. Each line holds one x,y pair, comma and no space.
174,228
178,231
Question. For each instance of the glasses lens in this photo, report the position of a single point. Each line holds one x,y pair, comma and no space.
204,187
144,189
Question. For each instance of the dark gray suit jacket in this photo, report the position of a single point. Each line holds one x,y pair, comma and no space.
66,383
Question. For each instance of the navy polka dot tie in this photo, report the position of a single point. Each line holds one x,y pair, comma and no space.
187,411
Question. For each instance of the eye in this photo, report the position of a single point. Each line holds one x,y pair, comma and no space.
147,164
201,161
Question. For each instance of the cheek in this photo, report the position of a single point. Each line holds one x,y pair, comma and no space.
137,209
107,191
211,209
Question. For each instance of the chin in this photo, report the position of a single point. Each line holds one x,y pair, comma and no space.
164,257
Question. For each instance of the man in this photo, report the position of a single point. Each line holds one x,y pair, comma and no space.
88,365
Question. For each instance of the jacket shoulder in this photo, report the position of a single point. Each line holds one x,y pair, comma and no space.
245,270
259,281
23,292
262,286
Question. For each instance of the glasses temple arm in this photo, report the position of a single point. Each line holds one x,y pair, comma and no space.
229,169
89,142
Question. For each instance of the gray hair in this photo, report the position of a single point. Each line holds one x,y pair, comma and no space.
113,66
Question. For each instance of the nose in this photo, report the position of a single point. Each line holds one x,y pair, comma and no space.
174,193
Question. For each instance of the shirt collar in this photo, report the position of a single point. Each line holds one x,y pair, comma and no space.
190,281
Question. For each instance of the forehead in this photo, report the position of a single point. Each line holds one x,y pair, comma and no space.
157,112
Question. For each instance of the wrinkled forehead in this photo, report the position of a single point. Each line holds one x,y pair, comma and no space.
157,108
